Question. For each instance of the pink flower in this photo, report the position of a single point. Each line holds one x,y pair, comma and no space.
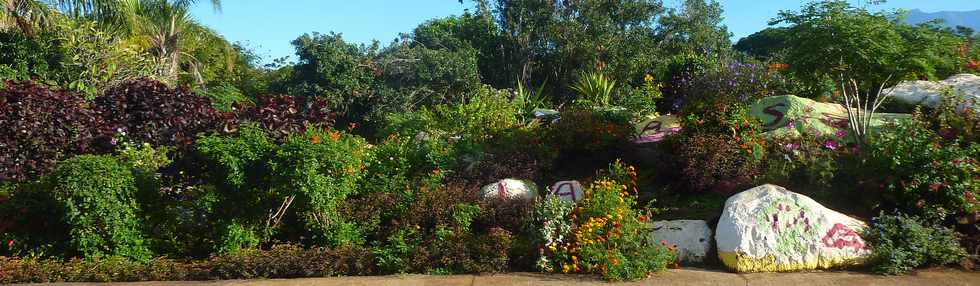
791,146
830,144
841,133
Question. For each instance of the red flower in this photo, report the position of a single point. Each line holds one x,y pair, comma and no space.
973,64
10,244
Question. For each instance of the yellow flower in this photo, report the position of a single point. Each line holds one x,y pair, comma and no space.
564,268
647,78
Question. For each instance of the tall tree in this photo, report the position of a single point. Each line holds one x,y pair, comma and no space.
695,28
555,40
24,15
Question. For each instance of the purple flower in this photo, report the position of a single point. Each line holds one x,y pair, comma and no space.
841,133
831,144
789,147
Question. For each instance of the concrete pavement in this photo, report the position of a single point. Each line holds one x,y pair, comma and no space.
687,276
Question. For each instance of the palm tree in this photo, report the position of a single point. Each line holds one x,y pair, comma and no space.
24,15
163,26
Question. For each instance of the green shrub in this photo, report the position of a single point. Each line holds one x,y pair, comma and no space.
586,131
610,237
321,169
901,243
921,173
101,212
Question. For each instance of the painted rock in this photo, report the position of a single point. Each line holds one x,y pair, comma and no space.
656,129
790,116
510,189
770,229
692,238
930,93
570,191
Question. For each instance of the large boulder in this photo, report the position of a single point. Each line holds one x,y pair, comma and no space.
692,238
657,128
770,229
930,93
790,116
511,189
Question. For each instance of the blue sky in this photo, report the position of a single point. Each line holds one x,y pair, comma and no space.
269,25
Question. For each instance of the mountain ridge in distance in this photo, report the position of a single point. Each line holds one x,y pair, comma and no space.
953,18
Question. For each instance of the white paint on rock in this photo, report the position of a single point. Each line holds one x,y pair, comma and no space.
929,93
510,189
692,238
769,228
570,191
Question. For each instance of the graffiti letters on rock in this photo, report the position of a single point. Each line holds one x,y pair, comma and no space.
769,229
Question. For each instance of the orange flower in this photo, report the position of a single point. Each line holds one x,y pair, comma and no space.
334,135
778,66
315,140
351,126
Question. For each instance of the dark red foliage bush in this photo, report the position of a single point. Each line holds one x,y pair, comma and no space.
150,111
713,162
281,115
41,125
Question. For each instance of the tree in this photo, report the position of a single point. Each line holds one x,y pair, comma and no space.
764,44
832,39
329,67
24,15
554,40
696,28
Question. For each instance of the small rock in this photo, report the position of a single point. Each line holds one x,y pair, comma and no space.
692,238
510,189
770,229
570,191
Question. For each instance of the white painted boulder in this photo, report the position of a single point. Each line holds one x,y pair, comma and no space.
930,93
510,189
692,238
570,191
770,229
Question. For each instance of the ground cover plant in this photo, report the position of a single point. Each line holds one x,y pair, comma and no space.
126,155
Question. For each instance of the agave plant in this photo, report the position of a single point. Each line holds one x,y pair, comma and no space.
594,89
527,100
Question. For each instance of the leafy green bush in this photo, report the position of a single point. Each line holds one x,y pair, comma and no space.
901,243
101,212
321,169
610,237
921,173
582,131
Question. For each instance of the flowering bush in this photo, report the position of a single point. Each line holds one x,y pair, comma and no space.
901,243
695,86
810,158
715,162
923,174
582,130
609,238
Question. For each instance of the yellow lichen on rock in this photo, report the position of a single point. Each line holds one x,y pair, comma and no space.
744,264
